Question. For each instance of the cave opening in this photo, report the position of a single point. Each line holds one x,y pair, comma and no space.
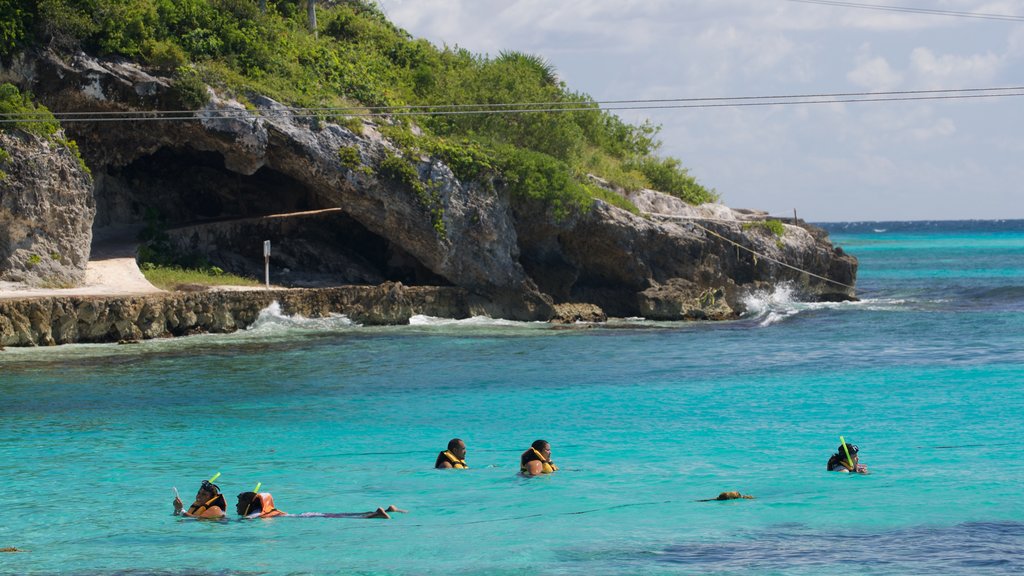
209,213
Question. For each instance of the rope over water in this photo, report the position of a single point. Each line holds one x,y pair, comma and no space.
693,220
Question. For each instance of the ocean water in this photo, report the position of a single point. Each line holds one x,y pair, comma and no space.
925,374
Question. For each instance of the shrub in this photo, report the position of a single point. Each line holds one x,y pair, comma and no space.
771,226
15,23
190,87
668,175
164,55
36,119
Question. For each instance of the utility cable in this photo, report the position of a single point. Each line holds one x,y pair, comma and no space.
523,108
692,220
588,105
929,11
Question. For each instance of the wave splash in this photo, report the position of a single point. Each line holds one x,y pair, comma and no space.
783,301
421,320
271,320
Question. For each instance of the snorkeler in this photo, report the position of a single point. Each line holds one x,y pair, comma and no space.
261,505
209,503
845,460
454,456
537,459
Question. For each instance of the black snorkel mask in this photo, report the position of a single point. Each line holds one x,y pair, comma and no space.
216,498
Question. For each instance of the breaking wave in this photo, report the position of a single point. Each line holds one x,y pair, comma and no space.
767,307
421,320
272,320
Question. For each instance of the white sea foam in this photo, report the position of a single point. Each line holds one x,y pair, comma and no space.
773,306
421,320
271,319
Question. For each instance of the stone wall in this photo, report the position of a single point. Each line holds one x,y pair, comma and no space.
69,320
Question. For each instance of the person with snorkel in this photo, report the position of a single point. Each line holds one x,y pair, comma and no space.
453,457
845,459
258,504
537,459
209,503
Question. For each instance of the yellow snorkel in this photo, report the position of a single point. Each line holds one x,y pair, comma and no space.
255,492
215,476
847,451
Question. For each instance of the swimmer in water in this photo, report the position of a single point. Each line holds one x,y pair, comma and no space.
537,459
454,456
261,505
209,503
838,462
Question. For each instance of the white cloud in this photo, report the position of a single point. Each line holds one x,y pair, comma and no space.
835,161
953,71
940,128
875,74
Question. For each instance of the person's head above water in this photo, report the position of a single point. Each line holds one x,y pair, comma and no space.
248,503
454,456
207,490
537,459
458,448
256,504
846,459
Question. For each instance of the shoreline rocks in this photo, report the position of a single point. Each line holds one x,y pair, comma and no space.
49,321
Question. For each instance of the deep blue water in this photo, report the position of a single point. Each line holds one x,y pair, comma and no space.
925,374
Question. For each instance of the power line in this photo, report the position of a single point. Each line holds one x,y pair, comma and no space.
934,12
516,108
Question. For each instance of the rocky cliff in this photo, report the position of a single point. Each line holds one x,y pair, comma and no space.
236,161
46,211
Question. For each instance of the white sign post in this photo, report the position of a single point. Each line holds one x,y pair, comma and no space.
266,261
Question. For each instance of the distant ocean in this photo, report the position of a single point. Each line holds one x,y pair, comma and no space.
925,374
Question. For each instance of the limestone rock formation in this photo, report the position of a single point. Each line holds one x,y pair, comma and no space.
65,320
515,261
46,211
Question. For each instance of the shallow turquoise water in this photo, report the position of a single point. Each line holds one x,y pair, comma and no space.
925,375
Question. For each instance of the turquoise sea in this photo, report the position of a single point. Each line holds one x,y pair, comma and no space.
925,374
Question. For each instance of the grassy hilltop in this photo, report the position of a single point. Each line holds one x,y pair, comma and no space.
357,58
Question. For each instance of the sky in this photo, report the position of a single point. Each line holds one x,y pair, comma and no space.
908,160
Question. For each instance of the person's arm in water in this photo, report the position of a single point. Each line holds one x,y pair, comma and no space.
444,464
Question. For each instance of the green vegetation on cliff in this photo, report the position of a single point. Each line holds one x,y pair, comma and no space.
358,58
33,119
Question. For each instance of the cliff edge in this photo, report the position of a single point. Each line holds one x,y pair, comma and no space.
238,161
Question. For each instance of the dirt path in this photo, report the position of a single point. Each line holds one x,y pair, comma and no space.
111,271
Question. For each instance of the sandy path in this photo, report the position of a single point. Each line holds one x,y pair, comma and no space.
111,271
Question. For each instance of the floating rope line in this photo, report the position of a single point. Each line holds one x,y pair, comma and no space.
756,254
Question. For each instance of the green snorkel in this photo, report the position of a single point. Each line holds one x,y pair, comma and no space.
255,492
215,476
847,451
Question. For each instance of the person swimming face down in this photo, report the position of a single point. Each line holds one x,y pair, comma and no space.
261,505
